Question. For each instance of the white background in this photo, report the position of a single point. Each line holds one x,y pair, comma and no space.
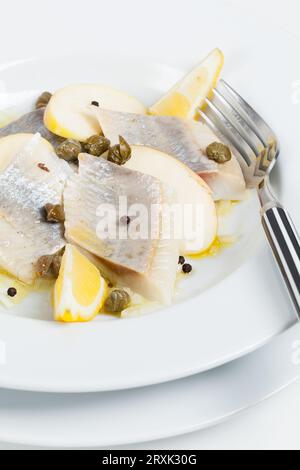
275,423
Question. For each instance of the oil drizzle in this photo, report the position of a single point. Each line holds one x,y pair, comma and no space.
219,244
225,208
23,290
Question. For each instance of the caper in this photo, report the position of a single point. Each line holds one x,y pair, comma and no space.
54,213
114,155
48,266
56,263
121,153
69,150
43,100
43,267
125,149
97,145
218,152
118,301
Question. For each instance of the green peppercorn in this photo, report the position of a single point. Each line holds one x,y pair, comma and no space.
43,100
69,150
97,145
218,152
121,153
117,301
54,213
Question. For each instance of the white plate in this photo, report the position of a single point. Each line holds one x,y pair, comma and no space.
151,413
231,304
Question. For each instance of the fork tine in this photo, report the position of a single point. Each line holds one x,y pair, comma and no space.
210,123
253,119
232,134
264,163
228,114
225,134
247,132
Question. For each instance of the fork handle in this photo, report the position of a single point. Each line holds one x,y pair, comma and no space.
285,243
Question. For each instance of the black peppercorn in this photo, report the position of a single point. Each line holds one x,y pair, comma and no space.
125,220
12,292
187,268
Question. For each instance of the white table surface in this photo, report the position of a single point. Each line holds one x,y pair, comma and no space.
273,424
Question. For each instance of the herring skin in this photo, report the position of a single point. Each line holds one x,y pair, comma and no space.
146,265
31,123
25,188
184,139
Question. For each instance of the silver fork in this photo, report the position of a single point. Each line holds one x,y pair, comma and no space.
257,149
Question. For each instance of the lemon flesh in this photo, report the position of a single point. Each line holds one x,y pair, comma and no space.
190,93
80,290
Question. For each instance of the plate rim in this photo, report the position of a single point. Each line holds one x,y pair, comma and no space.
221,382
29,327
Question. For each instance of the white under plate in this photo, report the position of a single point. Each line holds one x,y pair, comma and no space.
232,303
150,413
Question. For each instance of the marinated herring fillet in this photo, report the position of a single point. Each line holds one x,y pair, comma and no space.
184,139
149,265
34,178
31,123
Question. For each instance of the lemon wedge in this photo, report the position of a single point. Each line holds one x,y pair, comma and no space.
189,94
80,290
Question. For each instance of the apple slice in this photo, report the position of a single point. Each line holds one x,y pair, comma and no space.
12,144
193,195
68,114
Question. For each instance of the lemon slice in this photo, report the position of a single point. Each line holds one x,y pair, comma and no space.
189,94
67,113
80,290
